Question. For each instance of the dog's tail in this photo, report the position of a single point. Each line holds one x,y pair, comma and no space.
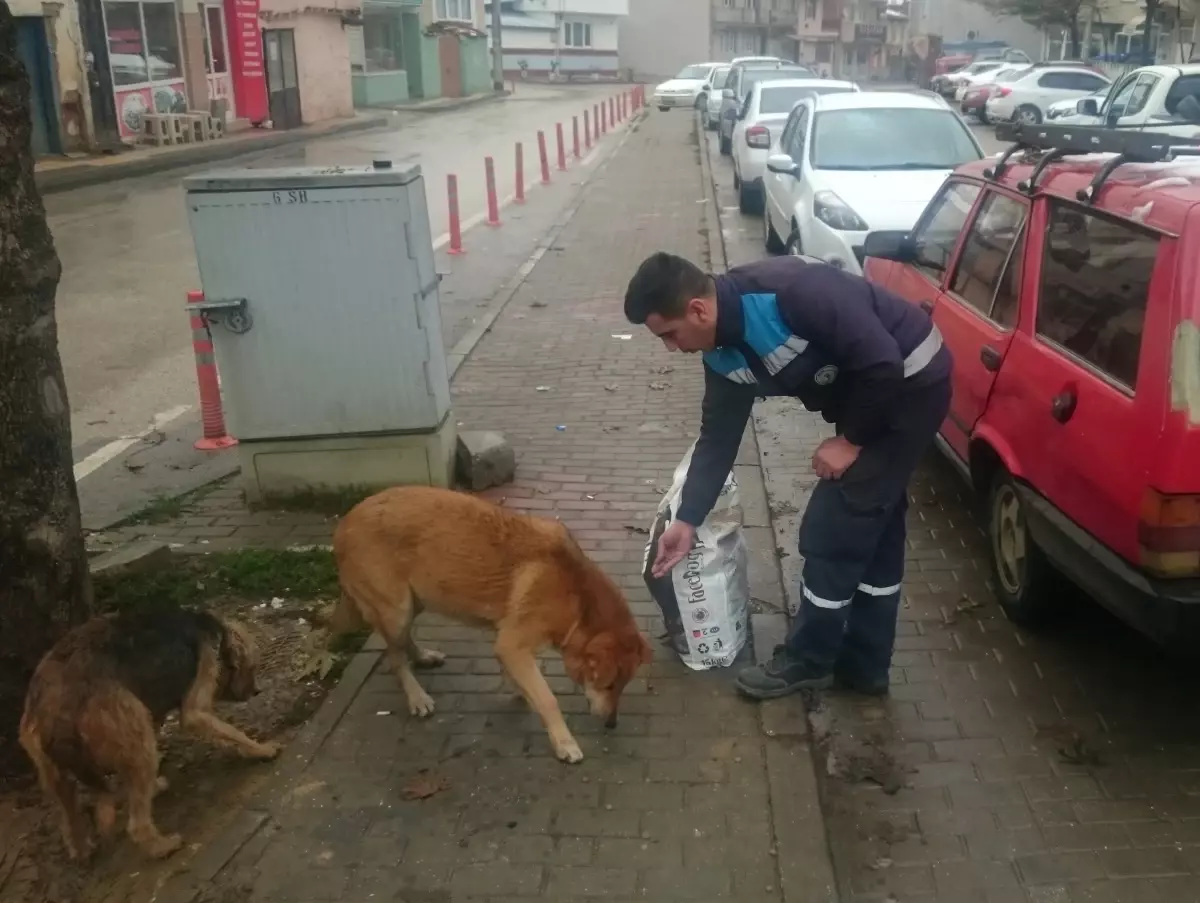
345,617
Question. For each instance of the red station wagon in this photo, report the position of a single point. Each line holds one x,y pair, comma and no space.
1069,294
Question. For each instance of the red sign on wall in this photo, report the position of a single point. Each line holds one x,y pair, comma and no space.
246,60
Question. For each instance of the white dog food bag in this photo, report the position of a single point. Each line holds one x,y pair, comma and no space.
704,600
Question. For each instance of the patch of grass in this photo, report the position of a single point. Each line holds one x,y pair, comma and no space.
159,510
163,508
252,574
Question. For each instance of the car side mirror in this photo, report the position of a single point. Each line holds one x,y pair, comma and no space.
783,165
890,245
1087,106
727,93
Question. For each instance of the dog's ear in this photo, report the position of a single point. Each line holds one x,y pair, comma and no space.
600,657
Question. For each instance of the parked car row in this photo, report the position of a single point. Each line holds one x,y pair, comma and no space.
1073,324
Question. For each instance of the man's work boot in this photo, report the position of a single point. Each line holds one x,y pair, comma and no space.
782,675
846,679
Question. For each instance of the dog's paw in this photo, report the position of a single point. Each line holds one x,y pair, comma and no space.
268,751
421,705
429,658
569,752
162,847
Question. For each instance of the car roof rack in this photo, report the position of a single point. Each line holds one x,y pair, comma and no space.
1058,141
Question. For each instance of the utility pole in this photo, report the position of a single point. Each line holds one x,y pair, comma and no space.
497,49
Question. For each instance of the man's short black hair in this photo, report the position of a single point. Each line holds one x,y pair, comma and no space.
663,285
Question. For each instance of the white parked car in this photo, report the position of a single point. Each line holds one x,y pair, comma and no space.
847,164
684,89
710,111
1069,107
761,119
956,80
1161,98
1027,98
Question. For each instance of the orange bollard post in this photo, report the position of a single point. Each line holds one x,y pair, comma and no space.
212,415
455,223
520,195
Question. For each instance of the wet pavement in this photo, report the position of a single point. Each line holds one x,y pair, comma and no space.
1007,766
128,258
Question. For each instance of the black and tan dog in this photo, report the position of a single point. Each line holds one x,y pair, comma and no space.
99,696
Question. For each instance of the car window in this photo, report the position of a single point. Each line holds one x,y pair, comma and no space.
1140,94
694,72
795,149
1086,81
788,130
1095,278
719,78
781,100
988,273
753,76
942,223
1185,86
871,138
1055,80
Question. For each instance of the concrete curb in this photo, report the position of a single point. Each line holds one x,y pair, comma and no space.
805,862
83,175
187,886
460,103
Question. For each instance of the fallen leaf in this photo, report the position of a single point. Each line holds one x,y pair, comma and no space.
423,786
659,386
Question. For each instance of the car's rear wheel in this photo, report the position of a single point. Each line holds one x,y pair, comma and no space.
701,102
749,199
1026,584
664,109
771,240
1028,114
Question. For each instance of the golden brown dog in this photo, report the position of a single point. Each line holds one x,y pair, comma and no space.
99,696
411,548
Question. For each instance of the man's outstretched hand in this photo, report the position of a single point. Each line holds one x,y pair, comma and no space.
833,458
674,544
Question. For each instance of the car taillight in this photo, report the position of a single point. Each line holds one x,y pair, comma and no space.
1003,92
1169,534
758,136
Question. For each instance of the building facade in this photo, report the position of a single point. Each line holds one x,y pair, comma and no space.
561,39
49,45
659,37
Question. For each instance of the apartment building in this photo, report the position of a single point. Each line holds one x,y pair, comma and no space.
569,39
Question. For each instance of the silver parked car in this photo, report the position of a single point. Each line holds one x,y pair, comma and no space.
711,111
742,77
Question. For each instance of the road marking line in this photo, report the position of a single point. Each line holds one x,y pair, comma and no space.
106,453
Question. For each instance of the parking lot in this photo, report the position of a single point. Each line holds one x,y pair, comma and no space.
1007,765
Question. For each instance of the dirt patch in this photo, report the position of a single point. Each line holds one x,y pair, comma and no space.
282,597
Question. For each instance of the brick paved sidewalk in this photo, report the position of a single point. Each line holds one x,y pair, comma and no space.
1007,766
696,795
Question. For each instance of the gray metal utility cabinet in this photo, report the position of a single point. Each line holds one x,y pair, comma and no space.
322,300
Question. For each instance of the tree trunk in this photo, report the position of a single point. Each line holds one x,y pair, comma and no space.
1074,33
1149,54
44,584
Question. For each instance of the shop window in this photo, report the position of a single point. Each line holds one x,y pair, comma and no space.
126,51
577,34
139,33
215,59
382,47
162,41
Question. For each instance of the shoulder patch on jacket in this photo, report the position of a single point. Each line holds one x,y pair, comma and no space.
729,363
768,335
